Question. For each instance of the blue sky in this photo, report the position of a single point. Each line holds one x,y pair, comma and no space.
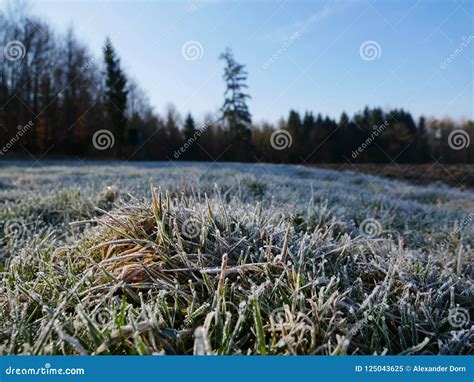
317,60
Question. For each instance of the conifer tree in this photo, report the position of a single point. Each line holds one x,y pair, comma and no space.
190,136
116,97
235,112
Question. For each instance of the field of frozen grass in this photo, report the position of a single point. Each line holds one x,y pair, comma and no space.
186,258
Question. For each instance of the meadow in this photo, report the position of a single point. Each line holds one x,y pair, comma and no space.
228,258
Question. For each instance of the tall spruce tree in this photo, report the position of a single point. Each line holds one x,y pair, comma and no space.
235,112
307,132
190,137
116,97
294,128
189,129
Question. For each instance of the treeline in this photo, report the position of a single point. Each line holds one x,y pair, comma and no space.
58,99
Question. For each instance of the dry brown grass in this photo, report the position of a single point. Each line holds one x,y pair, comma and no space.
457,175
